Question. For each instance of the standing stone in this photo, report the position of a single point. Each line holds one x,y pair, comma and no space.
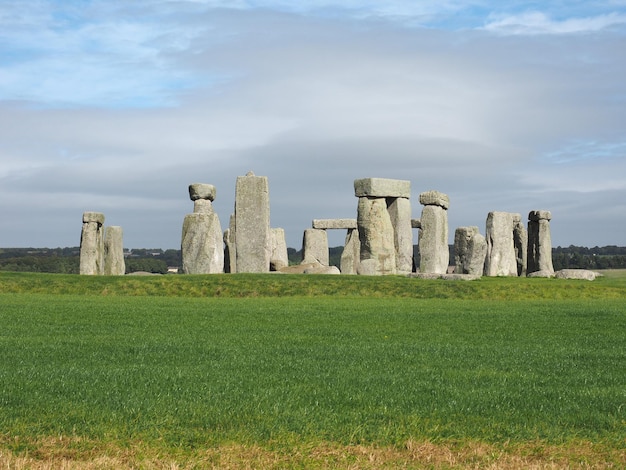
520,243
279,258
399,209
202,245
433,233
92,244
376,235
252,221
539,242
230,247
315,247
501,259
470,249
351,253
114,264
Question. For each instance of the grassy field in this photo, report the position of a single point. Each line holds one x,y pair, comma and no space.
276,371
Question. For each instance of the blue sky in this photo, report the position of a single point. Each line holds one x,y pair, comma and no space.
116,106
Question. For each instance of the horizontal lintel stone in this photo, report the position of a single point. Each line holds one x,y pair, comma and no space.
93,217
540,215
334,224
382,187
435,198
202,191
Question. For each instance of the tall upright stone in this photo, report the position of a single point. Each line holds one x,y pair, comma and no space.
539,242
230,247
470,249
279,258
202,245
114,264
92,244
315,247
378,251
433,233
520,243
350,256
252,222
501,257
384,226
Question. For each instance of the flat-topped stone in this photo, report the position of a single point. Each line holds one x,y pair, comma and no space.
435,198
202,191
323,224
416,223
539,215
382,187
93,217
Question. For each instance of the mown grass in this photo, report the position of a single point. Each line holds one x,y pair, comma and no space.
301,371
278,285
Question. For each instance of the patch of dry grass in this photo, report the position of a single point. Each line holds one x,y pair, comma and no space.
80,454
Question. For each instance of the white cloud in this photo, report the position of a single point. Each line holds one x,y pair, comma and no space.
536,22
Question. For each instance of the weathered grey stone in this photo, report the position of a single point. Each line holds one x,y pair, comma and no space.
230,247
382,187
324,224
501,259
350,256
539,242
320,269
202,206
433,240
376,235
400,213
252,220
520,243
114,264
97,217
202,191
416,223
541,274
540,215
434,198
202,244
298,268
582,274
315,246
92,244
470,249
278,258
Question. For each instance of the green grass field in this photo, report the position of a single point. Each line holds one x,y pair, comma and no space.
273,371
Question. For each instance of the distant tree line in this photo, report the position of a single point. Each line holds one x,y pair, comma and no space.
156,260
67,260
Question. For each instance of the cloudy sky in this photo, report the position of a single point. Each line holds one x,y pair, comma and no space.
117,106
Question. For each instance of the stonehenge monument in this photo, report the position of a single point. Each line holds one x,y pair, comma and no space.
378,242
114,264
384,226
539,242
202,239
433,233
92,244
